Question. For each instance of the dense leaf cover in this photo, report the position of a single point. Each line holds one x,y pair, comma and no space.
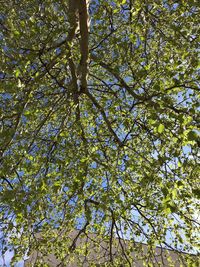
99,125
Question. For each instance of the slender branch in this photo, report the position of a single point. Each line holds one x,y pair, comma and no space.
7,181
117,76
103,40
99,107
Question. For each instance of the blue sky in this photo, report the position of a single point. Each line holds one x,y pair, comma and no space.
7,258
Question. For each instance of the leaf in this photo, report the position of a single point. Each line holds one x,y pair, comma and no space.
196,192
17,73
192,136
179,164
20,85
165,191
172,207
16,33
161,128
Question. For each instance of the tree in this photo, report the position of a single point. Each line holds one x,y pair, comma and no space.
99,124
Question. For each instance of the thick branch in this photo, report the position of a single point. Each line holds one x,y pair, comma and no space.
83,24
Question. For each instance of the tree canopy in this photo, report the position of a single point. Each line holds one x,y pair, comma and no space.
99,125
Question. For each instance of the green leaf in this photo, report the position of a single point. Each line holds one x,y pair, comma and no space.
165,191
17,73
196,192
161,128
192,136
16,33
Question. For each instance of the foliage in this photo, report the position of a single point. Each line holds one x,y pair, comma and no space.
113,151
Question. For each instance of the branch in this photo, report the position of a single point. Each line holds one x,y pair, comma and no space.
83,24
120,80
104,39
99,107
7,181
